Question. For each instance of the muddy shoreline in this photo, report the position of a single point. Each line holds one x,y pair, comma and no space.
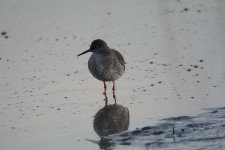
204,131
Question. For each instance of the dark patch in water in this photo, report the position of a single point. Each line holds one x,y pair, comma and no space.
126,139
3,33
195,66
185,9
136,132
208,128
124,134
181,118
214,111
125,143
146,128
158,132
188,70
201,60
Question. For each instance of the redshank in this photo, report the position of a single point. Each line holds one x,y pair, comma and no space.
105,64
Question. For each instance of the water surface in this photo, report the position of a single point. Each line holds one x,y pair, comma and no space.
174,52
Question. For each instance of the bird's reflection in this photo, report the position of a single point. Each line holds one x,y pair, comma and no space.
110,119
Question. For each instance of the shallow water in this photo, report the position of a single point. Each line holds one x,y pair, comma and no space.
174,52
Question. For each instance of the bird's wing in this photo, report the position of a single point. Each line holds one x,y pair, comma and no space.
120,57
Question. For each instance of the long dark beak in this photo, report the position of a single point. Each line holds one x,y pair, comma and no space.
89,50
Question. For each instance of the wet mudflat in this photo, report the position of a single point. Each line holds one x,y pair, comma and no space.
174,53
204,131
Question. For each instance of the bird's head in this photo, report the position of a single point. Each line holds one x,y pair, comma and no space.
96,46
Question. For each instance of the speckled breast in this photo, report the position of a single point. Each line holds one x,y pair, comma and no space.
105,68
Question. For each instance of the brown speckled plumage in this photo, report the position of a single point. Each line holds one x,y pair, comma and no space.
106,66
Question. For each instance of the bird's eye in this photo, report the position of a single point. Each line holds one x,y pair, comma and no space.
93,47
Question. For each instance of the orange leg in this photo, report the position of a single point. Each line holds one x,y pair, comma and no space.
106,99
114,88
104,87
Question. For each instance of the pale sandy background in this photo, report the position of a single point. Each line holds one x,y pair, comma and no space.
174,49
